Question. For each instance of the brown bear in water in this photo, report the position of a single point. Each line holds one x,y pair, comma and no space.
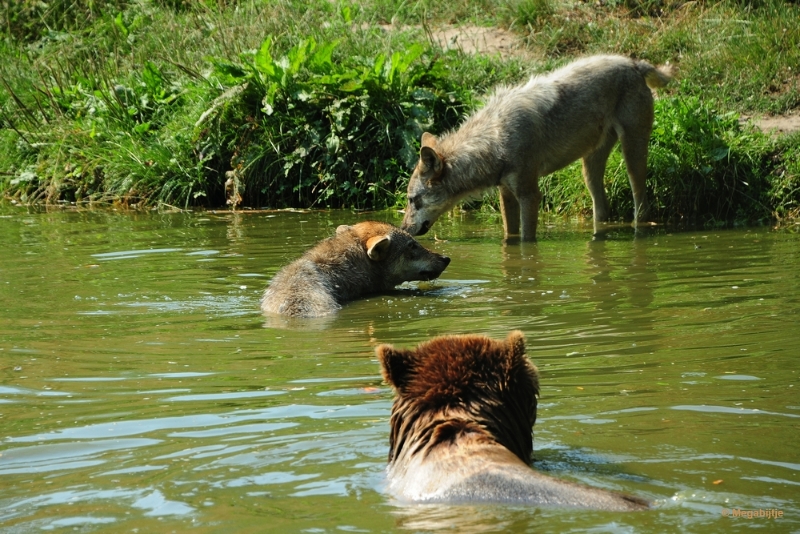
461,427
366,258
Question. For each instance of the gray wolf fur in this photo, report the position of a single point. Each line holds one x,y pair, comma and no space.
534,129
366,258
461,426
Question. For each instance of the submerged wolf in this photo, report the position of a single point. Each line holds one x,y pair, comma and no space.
365,258
528,131
460,427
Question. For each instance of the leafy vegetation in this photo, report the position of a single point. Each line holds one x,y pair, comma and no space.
321,104
320,133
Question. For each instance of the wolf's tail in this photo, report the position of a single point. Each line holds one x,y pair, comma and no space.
656,77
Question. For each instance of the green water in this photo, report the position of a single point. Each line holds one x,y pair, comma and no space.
141,390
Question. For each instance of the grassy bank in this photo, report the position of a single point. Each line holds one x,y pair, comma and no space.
321,104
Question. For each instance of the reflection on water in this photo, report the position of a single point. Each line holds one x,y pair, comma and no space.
142,389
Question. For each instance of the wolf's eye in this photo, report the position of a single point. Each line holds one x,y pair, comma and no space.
416,201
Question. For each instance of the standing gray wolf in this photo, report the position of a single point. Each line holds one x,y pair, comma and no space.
366,258
461,426
528,131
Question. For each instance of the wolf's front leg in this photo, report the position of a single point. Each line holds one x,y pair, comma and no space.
509,209
529,212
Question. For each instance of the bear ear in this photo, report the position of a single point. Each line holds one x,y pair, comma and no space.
396,364
516,343
378,247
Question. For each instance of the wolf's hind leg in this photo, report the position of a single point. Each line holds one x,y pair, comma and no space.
594,167
634,150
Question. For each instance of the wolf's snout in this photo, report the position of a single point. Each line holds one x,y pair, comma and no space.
435,273
414,228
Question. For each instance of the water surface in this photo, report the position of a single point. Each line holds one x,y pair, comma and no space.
141,390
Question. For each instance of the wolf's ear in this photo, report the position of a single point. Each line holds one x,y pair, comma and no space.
342,228
431,163
395,364
378,247
516,343
428,139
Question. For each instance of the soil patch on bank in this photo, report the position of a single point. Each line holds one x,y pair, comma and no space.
490,41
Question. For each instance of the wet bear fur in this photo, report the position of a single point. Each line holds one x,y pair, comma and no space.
461,427
359,260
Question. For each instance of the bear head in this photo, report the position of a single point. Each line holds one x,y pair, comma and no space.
461,383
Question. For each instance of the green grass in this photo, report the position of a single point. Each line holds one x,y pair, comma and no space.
318,104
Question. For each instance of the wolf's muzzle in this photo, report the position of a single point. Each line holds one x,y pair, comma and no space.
430,275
